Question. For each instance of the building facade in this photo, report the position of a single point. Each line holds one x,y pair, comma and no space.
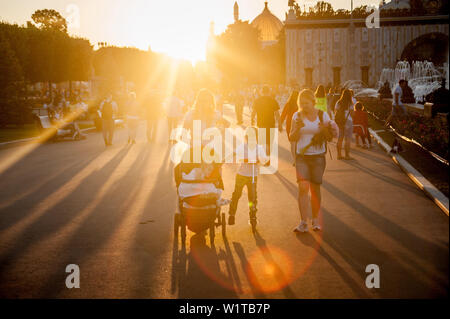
332,51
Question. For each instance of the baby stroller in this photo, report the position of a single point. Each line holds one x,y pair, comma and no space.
199,187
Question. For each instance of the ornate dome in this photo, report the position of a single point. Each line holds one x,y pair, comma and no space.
268,24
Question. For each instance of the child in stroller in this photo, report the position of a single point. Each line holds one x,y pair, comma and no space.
199,188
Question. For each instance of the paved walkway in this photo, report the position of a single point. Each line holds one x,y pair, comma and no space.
110,211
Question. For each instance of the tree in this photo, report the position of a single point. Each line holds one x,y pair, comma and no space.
10,75
49,19
238,54
274,58
323,9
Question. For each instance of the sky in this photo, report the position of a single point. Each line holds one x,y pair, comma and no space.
179,28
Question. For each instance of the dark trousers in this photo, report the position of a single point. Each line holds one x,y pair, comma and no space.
269,142
241,182
108,130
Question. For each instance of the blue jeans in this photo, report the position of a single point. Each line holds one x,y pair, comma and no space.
310,168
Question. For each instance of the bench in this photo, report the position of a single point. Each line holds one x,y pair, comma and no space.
46,127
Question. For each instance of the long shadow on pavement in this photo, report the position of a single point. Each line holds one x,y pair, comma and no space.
360,252
203,277
47,224
406,238
278,272
309,240
404,186
101,223
397,279
24,205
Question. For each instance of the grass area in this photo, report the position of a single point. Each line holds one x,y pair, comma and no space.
433,170
17,133
11,133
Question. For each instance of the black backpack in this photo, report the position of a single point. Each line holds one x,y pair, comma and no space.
107,111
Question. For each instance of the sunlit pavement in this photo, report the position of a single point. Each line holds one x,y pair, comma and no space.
110,211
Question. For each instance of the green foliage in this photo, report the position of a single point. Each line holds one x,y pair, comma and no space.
49,19
238,54
29,54
242,60
10,77
432,133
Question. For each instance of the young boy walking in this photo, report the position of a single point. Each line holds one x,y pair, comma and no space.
249,155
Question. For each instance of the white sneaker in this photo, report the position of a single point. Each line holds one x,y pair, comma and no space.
302,228
316,224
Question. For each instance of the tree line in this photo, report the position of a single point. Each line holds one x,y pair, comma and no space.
43,51
40,51
324,10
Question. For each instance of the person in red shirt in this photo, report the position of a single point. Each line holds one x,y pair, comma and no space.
361,126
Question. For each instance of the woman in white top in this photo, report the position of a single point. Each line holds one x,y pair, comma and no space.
307,132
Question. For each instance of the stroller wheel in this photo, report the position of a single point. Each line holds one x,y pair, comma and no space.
183,229
176,224
212,234
224,224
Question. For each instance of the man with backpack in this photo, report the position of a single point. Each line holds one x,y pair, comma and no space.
108,109
266,111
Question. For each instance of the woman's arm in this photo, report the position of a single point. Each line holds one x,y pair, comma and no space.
296,125
334,127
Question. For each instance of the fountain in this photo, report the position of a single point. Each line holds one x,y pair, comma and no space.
360,88
423,77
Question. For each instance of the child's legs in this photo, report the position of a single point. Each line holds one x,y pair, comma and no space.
239,185
368,136
357,136
252,196
363,138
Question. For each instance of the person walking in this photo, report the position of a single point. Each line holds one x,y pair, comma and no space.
153,110
286,115
266,110
311,130
343,119
249,155
331,102
108,110
397,104
174,111
132,118
288,112
239,107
